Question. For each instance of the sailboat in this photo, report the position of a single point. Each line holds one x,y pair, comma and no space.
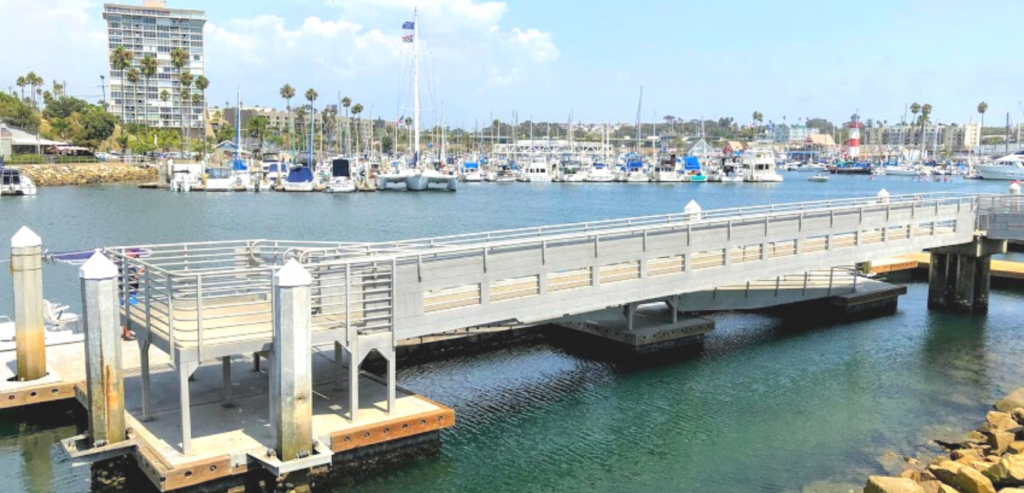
417,176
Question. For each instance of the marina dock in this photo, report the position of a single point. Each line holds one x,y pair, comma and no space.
1001,269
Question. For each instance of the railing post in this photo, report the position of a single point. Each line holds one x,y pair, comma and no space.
104,376
291,387
30,335
199,316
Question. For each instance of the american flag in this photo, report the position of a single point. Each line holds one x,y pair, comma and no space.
407,38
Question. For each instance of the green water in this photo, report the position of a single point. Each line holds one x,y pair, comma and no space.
769,405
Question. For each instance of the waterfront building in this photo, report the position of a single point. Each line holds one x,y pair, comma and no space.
793,133
940,137
153,30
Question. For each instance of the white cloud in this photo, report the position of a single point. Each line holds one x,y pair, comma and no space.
57,39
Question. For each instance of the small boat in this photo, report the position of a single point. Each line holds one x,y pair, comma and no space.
60,327
599,173
471,172
300,179
221,180
818,177
12,182
341,179
1009,167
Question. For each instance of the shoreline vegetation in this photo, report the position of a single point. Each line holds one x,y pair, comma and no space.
53,175
989,459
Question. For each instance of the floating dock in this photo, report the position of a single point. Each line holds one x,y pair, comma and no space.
1001,269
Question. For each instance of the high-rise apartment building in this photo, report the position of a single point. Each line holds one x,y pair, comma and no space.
153,30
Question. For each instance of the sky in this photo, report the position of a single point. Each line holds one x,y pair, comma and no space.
546,58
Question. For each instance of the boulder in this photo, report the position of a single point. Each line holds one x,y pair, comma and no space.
1012,490
1000,441
936,487
997,421
1009,471
946,471
883,484
967,455
1018,415
969,480
1016,448
1011,402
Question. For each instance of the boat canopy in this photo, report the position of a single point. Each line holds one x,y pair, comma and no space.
301,174
218,173
238,164
341,167
470,165
691,163
276,167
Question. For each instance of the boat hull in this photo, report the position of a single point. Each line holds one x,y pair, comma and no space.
1000,172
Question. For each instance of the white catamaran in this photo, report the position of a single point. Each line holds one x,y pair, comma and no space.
418,176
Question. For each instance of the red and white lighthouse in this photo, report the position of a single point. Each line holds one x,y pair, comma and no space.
853,142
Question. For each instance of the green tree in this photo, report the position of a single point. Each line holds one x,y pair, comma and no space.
149,70
311,96
64,106
345,103
35,82
288,92
356,110
202,83
982,108
133,76
186,79
225,132
120,59
18,113
257,129
21,83
97,126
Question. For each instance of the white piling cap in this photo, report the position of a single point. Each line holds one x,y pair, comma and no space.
692,207
98,267
1015,188
883,194
293,274
25,238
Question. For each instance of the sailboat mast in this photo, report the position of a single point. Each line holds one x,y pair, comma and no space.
238,126
416,84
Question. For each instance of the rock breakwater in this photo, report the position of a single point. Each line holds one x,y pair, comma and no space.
52,175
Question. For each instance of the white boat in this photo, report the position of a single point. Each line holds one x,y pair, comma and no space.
759,165
471,172
538,169
668,170
59,324
183,177
1009,167
599,173
12,182
300,179
818,177
430,178
341,177
223,180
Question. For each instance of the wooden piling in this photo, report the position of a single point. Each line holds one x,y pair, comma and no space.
104,375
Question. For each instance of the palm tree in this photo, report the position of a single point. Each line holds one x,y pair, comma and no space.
179,58
356,110
34,81
202,83
258,129
982,108
120,59
133,77
186,78
914,110
165,95
22,82
288,92
149,70
311,96
346,102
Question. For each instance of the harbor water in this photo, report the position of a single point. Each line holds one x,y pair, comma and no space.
769,404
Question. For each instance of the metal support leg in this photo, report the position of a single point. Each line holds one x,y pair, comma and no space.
629,310
147,398
339,371
391,381
186,413
226,373
353,385
256,362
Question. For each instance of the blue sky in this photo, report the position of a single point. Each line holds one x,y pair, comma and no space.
547,58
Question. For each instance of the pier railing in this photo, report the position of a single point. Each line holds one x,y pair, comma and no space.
216,298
